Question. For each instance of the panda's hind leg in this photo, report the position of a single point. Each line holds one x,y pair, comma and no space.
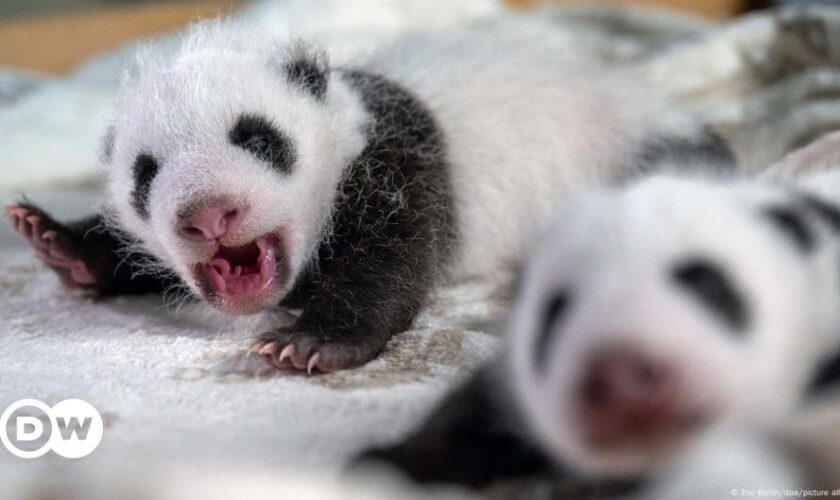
53,244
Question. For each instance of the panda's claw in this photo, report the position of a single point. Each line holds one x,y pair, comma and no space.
255,348
311,353
286,353
24,227
313,362
268,349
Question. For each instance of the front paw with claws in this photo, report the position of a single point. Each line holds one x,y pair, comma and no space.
53,245
289,349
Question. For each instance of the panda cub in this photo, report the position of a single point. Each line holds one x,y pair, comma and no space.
651,316
254,173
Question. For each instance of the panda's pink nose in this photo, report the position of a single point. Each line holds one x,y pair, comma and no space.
210,222
626,394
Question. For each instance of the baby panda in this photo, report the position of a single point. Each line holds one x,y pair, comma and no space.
651,316
253,173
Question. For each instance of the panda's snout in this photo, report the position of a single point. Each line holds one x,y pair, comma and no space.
627,395
209,220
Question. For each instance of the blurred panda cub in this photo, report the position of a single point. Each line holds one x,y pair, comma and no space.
253,173
651,317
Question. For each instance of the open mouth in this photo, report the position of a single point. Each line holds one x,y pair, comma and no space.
241,275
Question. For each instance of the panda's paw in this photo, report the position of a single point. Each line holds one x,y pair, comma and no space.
289,349
52,243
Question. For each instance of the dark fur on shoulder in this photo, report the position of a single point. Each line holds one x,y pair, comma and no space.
391,233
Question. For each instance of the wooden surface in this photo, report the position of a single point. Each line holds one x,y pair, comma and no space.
57,44
715,9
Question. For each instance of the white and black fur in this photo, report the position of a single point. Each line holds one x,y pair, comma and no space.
436,157
729,289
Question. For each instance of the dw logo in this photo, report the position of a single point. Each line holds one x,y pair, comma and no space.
72,428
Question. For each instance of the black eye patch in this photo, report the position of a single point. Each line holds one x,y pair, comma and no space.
707,282
552,312
145,169
259,137
827,375
791,223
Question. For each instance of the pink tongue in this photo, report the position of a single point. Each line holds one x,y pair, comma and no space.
242,280
214,277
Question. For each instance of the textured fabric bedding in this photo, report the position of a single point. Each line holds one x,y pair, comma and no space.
181,401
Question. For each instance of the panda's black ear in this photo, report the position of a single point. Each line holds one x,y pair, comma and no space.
107,150
307,69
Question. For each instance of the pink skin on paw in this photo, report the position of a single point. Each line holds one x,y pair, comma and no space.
49,247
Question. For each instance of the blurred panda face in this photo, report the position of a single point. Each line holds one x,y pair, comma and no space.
656,313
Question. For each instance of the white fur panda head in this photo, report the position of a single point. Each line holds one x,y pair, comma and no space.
224,162
655,313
